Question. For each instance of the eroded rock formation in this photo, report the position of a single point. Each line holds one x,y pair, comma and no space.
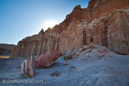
104,22
28,67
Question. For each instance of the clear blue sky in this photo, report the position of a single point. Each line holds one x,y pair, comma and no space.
21,18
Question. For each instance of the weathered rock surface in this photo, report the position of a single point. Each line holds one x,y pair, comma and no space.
104,22
28,67
47,60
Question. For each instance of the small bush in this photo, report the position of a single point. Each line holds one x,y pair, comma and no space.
4,63
18,68
65,57
72,67
56,73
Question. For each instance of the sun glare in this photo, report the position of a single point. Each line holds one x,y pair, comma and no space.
48,24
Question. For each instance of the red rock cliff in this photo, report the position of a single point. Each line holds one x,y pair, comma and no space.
104,22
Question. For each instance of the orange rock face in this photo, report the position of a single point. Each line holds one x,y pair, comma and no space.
104,22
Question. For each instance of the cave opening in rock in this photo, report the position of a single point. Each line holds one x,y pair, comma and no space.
91,40
84,37
104,37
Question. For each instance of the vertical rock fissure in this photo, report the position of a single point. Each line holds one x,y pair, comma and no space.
35,48
53,46
90,13
46,45
57,44
19,49
25,50
97,36
40,48
125,38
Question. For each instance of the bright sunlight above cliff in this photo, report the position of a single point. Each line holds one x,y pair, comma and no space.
28,17
49,23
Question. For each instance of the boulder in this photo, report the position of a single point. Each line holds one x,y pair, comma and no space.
47,60
69,57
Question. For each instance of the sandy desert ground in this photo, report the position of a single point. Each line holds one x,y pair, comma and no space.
110,70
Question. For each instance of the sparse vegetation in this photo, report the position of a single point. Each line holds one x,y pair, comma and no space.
39,67
56,73
18,68
65,57
13,63
4,63
72,67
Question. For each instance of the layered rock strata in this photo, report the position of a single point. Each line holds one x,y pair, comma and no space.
104,22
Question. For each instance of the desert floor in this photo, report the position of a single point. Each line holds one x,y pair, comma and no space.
110,70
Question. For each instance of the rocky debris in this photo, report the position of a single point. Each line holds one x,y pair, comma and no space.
77,54
92,51
81,49
70,57
65,63
89,50
47,60
28,67
67,56
87,47
74,53
100,53
56,73
104,23
87,55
